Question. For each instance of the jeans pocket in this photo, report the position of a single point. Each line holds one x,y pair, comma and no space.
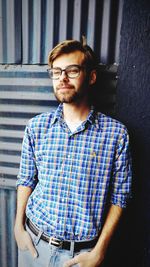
32,235
23,250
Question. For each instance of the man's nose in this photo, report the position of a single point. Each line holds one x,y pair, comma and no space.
63,75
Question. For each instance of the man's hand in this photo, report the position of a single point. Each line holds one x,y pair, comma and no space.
86,259
24,241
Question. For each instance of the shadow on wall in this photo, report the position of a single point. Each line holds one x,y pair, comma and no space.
125,249
103,93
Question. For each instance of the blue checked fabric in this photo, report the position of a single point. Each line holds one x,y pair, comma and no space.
75,176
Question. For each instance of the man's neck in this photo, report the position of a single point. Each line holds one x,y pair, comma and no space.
75,112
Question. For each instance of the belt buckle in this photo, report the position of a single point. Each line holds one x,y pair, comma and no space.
55,242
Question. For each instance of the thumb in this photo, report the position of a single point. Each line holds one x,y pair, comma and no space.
70,263
32,250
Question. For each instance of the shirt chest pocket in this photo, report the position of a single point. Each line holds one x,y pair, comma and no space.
96,162
85,161
50,154
49,160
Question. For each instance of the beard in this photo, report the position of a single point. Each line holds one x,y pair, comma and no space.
70,95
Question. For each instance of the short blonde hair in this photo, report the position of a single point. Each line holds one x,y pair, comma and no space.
70,46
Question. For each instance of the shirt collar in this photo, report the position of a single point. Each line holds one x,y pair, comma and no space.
91,116
58,115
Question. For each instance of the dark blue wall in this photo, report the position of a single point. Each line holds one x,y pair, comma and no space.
133,108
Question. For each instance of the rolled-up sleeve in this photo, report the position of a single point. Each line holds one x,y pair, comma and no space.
28,172
122,173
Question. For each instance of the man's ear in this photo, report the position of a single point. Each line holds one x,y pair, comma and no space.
93,76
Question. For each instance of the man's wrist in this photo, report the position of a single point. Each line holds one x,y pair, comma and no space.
98,255
19,225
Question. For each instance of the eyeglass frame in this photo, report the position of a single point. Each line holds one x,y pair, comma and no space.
80,67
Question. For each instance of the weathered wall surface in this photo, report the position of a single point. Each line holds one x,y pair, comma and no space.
28,31
133,108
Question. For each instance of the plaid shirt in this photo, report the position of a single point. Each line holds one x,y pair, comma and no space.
75,176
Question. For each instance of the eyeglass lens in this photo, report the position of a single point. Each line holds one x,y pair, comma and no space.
71,71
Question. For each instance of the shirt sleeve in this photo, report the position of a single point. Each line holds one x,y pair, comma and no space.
122,173
28,172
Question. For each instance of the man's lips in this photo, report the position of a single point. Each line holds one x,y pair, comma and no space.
64,87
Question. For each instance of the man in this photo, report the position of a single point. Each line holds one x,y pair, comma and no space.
75,171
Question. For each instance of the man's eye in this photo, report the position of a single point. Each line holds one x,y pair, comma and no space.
56,72
73,71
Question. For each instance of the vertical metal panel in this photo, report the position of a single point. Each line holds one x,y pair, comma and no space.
8,251
1,33
25,43
30,28
10,31
31,25
105,31
63,19
37,34
76,20
118,29
49,33
91,23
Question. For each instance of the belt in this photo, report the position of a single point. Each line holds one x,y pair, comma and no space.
78,245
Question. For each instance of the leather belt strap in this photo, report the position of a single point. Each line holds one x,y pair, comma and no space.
78,245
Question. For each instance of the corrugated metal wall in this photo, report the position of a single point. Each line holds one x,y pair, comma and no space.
24,92
28,30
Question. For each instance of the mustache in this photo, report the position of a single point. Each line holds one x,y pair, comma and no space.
64,85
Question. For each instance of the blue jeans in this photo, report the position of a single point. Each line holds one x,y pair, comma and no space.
48,255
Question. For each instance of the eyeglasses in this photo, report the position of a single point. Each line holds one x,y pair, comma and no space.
72,71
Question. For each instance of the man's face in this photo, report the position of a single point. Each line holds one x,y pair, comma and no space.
70,90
